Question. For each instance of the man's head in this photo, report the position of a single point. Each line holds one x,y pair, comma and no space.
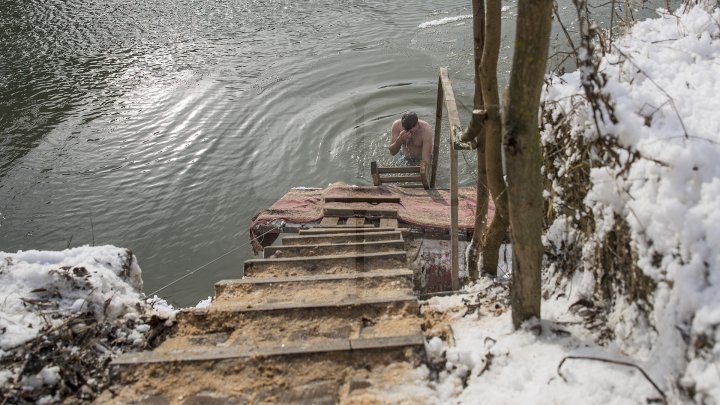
409,120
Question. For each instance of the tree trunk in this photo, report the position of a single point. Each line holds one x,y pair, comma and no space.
521,142
493,149
476,131
476,121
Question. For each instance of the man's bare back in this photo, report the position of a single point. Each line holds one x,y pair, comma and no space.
415,143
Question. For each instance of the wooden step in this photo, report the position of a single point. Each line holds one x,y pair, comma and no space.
333,264
212,353
360,212
315,288
351,225
344,229
323,377
274,324
367,199
402,179
303,375
352,237
325,249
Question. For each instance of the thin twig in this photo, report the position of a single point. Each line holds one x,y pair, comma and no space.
611,361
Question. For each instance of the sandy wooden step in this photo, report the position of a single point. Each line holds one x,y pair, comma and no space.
325,249
213,353
294,376
224,315
343,229
268,325
333,264
314,288
345,237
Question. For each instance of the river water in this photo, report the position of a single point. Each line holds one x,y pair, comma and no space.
163,126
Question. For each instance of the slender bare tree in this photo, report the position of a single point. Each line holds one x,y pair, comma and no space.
484,132
476,134
521,145
493,150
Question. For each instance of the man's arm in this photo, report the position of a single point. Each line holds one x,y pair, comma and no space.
427,144
426,150
396,138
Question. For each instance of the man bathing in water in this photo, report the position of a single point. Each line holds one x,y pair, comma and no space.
412,138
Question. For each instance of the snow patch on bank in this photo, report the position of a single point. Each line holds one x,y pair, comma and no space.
104,280
663,82
67,313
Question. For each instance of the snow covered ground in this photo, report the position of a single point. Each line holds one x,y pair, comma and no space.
664,81
79,307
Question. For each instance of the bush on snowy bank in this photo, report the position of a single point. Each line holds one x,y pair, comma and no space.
632,145
65,315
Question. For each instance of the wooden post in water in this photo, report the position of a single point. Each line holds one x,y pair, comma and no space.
455,132
438,126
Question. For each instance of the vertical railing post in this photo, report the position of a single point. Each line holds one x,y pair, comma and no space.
454,120
438,127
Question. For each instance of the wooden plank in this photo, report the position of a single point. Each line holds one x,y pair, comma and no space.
357,221
454,126
315,259
453,116
384,342
329,221
374,173
438,127
333,248
402,179
320,264
312,278
343,237
423,174
324,231
369,199
398,169
214,353
388,222
340,226
360,212
397,299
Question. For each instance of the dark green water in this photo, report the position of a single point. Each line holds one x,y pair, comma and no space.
164,126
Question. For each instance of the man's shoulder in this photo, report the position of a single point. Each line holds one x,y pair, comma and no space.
396,126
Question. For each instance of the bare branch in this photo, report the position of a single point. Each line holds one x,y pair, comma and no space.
611,361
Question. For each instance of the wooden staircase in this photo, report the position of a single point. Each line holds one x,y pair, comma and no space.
324,318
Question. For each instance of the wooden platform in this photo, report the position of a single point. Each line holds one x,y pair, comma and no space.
388,207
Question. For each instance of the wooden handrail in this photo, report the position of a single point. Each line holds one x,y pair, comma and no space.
447,96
